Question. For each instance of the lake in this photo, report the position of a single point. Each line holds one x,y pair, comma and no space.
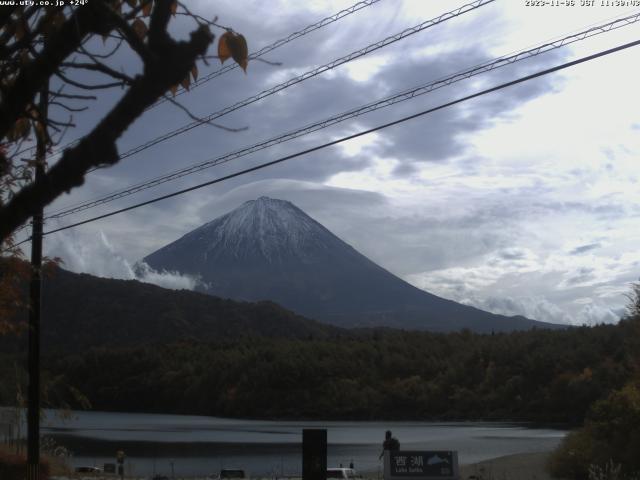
195,445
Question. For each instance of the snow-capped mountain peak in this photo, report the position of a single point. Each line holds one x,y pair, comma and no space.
273,229
269,249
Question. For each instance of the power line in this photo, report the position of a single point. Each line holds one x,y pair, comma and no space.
307,75
278,43
252,56
356,135
386,102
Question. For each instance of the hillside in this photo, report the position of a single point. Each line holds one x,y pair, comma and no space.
81,311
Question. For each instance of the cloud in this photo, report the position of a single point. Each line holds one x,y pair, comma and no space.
94,254
511,201
584,248
165,279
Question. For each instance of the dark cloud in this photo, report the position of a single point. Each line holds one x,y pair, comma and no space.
581,275
512,254
584,248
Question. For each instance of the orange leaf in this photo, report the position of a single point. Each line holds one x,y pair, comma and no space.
173,7
146,9
186,82
139,27
20,30
237,46
173,89
223,47
20,130
24,57
194,72
58,19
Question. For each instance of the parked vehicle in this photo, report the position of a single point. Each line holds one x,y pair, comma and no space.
230,473
341,473
88,470
333,473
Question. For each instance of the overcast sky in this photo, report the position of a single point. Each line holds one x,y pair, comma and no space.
524,201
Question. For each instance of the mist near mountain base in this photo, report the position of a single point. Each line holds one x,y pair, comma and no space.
95,255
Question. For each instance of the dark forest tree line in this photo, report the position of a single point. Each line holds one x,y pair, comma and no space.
536,375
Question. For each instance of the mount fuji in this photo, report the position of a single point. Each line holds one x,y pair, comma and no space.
269,249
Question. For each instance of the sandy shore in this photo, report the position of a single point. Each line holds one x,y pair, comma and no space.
523,466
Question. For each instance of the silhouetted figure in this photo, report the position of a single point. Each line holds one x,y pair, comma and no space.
390,443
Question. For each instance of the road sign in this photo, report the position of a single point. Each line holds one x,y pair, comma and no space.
420,465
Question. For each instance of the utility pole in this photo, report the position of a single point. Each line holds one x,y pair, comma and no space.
33,405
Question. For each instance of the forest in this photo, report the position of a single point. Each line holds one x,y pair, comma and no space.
540,375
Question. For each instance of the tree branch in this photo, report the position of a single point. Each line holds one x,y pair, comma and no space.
67,107
167,66
99,67
85,86
202,120
59,46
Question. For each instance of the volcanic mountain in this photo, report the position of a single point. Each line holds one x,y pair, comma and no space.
269,249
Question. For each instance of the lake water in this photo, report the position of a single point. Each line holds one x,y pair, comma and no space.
194,445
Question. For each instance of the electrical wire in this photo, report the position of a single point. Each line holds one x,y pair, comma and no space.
307,75
252,56
351,137
386,102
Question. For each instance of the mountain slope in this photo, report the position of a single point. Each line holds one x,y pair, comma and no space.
269,249
81,311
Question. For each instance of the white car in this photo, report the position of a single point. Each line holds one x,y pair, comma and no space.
341,473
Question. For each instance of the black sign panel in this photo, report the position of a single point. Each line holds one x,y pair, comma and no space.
314,454
422,464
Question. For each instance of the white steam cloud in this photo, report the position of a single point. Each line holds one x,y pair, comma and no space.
94,254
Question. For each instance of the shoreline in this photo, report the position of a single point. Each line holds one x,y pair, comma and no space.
519,466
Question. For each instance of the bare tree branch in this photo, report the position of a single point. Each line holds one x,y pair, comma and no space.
202,120
74,97
68,108
99,67
167,63
60,45
85,86
83,51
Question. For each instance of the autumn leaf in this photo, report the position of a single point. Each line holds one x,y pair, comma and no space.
139,27
24,57
223,48
146,9
173,89
20,30
194,72
240,51
20,130
9,30
58,19
174,8
186,82
233,45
